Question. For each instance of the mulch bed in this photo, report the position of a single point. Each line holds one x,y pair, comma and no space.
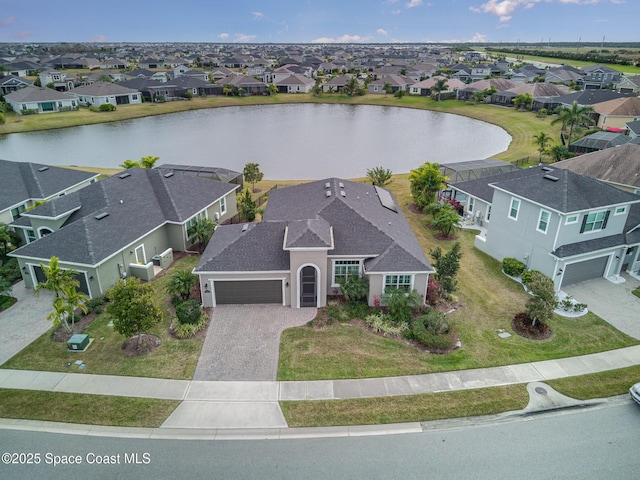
147,345
521,325
413,208
62,336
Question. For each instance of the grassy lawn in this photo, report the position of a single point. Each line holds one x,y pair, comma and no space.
520,125
173,359
490,300
85,409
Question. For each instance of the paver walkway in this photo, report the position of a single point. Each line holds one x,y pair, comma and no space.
243,341
25,321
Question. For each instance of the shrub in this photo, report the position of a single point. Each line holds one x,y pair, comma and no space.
107,107
354,288
189,312
186,330
400,304
434,291
579,307
528,275
2,118
11,270
512,267
431,331
380,322
95,305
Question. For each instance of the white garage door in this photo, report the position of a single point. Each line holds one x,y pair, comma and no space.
248,291
581,271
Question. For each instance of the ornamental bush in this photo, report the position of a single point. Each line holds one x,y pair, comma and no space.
107,107
189,312
431,330
512,267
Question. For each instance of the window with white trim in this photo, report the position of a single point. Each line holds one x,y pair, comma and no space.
344,269
400,282
620,210
543,221
571,219
16,213
30,234
193,220
488,213
223,206
514,208
471,204
595,221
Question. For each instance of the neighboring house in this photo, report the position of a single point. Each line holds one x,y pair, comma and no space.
100,93
336,84
536,90
60,80
568,226
497,84
564,74
424,87
119,226
634,129
397,82
616,113
23,183
114,63
248,84
295,83
149,62
598,76
312,237
629,84
11,83
618,166
40,100
480,72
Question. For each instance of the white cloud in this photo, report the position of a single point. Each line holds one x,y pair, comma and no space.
504,9
257,15
98,38
478,38
7,21
243,38
413,3
223,36
342,39
382,31
397,12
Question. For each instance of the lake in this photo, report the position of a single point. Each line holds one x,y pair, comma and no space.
297,142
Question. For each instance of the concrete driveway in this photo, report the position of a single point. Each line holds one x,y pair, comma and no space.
25,321
613,302
243,341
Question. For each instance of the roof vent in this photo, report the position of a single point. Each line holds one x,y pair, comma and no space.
327,193
551,177
124,175
43,169
341,185
168,175
100,216
327,185
547,169
342,194
245,227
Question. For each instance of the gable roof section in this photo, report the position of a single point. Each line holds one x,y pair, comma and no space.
137,204
23,181
626,107
103,89
37,94
312,233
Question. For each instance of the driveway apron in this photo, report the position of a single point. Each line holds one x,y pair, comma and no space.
23,322
613,302
243,341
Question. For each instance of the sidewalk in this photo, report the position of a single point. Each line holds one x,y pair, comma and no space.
254,405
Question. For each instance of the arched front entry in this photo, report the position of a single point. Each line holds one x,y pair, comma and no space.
308,285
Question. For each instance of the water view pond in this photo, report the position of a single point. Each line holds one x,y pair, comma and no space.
297,142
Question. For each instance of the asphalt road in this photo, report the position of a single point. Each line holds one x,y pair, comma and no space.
598,443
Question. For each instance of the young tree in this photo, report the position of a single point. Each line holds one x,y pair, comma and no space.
387,88
8,241
181,283
379,176
560,152
132,307
62,283
246,206
446,219
400,93
426,181
252,174
542,140
447,266
523,101
543,301
145,162
400,303
478,97
201,232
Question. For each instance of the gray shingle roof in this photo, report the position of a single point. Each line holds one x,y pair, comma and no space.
22,181
137,204
37,94
102,89
589,246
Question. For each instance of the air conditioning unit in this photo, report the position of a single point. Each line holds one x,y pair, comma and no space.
216,215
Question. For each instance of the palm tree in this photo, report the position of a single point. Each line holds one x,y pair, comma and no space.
62,283
439,87
477,97
446,219
181,283
523,101
201,232
542,141
573,116
149,161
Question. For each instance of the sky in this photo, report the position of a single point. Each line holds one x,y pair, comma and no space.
320,21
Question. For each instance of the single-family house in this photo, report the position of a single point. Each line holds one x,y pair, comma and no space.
614,114
311,238
249,85
618,166
100,93
295,83
634,129
124,225
536,90
480,72
424,87
598,76
336,84
11,83
30,100
397,82
22,184
628,84
570,227
60,80
564,74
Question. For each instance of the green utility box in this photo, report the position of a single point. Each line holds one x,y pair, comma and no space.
78,342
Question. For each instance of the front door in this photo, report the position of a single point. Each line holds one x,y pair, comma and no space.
308,287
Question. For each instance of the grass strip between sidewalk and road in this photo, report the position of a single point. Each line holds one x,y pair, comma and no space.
85,409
